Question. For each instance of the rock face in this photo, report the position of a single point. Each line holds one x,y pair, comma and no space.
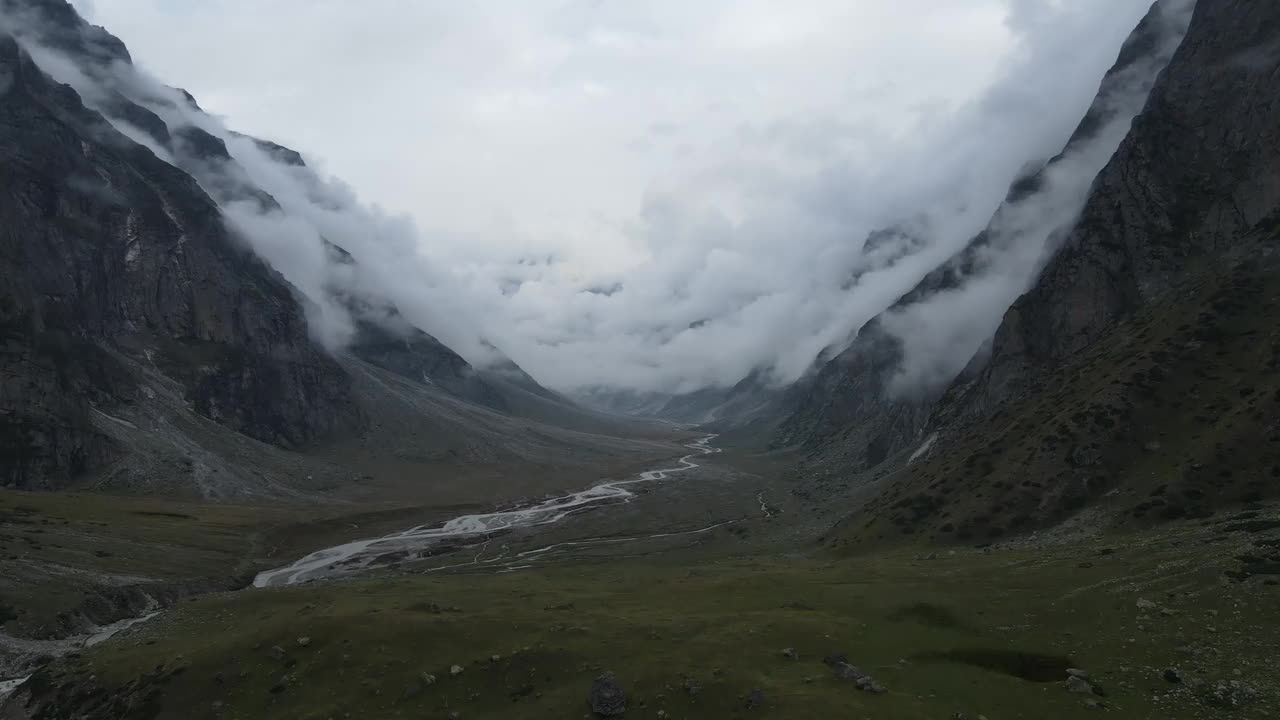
1159,296
383,337
851,399
1195,179
116,263
860,678
607,697
147,348
413,354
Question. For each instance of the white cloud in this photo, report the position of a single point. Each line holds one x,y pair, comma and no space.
940,334
721,162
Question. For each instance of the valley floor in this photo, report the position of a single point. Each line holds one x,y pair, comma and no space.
708,598
71,563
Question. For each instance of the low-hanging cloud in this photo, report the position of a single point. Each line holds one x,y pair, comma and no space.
716,167
943,331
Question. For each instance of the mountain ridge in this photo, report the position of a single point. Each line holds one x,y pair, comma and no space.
1160,292
152,350
856,387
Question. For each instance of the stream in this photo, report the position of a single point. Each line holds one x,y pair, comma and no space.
425,540
419,542
102,634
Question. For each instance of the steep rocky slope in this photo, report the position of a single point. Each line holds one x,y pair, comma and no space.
1137,380
150,348
859,399
114,261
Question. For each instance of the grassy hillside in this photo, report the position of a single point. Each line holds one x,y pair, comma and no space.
1174,414
951,634
71,561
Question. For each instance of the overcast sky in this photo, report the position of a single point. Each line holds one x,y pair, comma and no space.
658,194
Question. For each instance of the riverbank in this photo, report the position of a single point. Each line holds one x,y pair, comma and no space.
467,531
75,565
989,632
704,594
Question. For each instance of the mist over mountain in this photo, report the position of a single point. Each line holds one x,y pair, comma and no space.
721,359
749,194
191,309
882,389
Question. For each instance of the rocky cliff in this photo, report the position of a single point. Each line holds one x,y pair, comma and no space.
175,318
860,399
1191,185
114,261
1137,380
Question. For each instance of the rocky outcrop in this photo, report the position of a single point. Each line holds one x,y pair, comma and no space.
150,347
384,338
859,396
847,405
1136,382
1197,177
110,256
62,29
393,344
607,698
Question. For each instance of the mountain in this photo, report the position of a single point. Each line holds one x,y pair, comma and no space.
1136,381
1083,405
859,399
153,342
751,400
118,266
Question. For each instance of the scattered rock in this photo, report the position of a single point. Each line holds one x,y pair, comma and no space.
1079,685
691,688
1094,704
277,652
455,670
1077,672
868,684
304,641
607,697
861,679
1145,604
845,671
411,691
755,699
1172,676
427,678
789,653
1230,694
835,659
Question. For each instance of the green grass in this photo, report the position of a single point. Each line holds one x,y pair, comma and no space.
58,551
973,632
